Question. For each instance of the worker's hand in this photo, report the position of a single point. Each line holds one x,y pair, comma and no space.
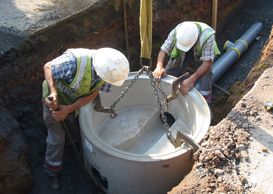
62,112
159,72
186,85
51,101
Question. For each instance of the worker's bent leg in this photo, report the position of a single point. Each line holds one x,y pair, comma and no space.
205,87
55,142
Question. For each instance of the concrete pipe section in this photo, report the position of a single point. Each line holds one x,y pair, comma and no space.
131,153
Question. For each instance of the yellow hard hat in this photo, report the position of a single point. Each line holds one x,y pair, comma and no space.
111,66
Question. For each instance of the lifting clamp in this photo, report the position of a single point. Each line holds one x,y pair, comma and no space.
175,85
99,108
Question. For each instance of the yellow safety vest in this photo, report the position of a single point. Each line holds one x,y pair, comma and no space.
81,84
205,34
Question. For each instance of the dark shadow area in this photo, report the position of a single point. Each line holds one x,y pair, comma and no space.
28,70
250,13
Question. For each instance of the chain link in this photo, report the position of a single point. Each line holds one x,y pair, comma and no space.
163,93
158,84
163,105
157,89
127,88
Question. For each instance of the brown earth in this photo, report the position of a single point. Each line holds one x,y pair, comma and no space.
219,164
240,88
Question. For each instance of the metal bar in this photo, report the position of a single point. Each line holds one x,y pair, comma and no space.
126,29
220,88
214,14
187,139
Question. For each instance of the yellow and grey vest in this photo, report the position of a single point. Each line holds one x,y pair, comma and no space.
82,83
205,32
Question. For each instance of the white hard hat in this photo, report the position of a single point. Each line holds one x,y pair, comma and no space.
186,35
111,66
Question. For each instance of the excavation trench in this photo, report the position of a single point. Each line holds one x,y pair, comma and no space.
44,45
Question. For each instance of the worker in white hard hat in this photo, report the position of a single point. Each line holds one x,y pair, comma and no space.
72,80
190,46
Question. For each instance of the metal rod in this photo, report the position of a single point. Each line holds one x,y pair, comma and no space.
188,140
126,29
214,14
220,88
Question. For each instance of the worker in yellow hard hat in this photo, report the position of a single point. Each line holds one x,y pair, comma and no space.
189,44
72,80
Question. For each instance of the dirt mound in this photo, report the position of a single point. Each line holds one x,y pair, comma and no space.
217,167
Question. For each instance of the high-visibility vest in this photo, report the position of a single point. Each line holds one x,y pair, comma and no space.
81,84
205,32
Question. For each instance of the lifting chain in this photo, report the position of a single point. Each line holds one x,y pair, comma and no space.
127,88
163,104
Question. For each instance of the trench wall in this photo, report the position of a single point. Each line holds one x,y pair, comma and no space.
98,26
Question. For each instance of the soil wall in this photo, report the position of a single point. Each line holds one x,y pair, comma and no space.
98,26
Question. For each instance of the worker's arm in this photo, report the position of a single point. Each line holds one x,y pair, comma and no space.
160,70
64,110
207,59
163,55
188,83
52,87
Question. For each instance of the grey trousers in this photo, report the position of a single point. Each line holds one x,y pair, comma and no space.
55,140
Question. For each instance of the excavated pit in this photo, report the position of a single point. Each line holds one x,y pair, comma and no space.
24,100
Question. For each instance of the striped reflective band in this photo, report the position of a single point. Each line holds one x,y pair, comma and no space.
51,163
243,42
204,93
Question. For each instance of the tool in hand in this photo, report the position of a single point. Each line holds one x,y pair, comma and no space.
77,152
